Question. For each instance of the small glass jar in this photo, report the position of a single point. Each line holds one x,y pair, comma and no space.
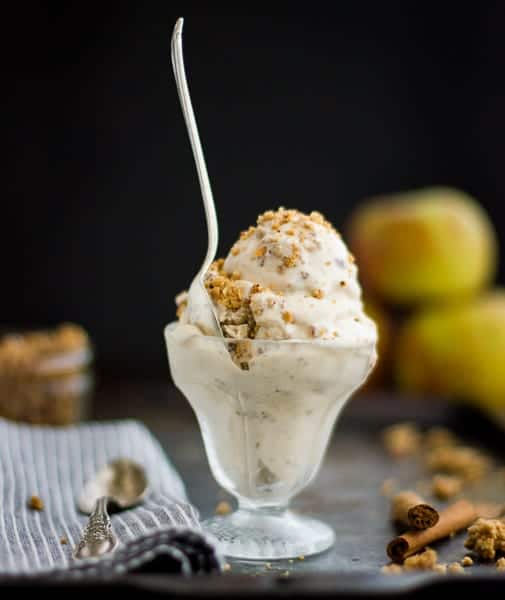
45,375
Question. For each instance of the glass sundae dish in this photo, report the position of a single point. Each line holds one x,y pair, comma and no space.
296,345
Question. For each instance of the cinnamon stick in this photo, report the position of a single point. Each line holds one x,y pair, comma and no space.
409,509
459,515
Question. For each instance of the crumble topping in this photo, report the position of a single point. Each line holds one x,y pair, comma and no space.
288,317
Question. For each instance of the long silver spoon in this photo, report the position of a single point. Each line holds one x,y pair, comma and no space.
121,482
201,308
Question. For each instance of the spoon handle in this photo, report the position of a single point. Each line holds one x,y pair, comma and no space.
98,537
194,138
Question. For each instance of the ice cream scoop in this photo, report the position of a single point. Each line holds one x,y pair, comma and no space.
290,276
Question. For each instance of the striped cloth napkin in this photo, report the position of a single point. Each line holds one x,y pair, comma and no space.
54,464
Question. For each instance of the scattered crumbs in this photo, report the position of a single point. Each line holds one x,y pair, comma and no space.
455,567
467,561
388,487
317,293
328,263
226,567
392,569
402,439
424,561
35,503
223,508
343,283
500,564
446,486
357,319
63,540
301,557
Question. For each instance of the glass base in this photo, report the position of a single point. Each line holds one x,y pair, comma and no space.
268,535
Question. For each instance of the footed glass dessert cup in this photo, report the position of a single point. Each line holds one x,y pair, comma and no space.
266,410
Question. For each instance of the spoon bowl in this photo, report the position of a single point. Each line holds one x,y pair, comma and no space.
123,482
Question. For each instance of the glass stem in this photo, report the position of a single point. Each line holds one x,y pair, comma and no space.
272,510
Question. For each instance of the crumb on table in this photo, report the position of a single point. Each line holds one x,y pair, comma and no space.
486,537
440,568
424,561
446,486
223,508
63,540
455,568
35,503
467,561
439,437
500,564
402,439
462,461
392,569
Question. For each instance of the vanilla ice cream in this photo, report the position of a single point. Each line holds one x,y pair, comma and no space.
289,277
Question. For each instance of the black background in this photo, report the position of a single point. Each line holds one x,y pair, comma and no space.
312,108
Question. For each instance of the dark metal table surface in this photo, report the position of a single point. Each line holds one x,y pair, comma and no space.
346,494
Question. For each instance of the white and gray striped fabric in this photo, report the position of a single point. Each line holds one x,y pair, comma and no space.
54,464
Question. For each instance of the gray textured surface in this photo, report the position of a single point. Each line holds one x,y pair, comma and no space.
346,494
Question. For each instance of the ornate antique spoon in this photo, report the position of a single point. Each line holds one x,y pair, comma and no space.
122,483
